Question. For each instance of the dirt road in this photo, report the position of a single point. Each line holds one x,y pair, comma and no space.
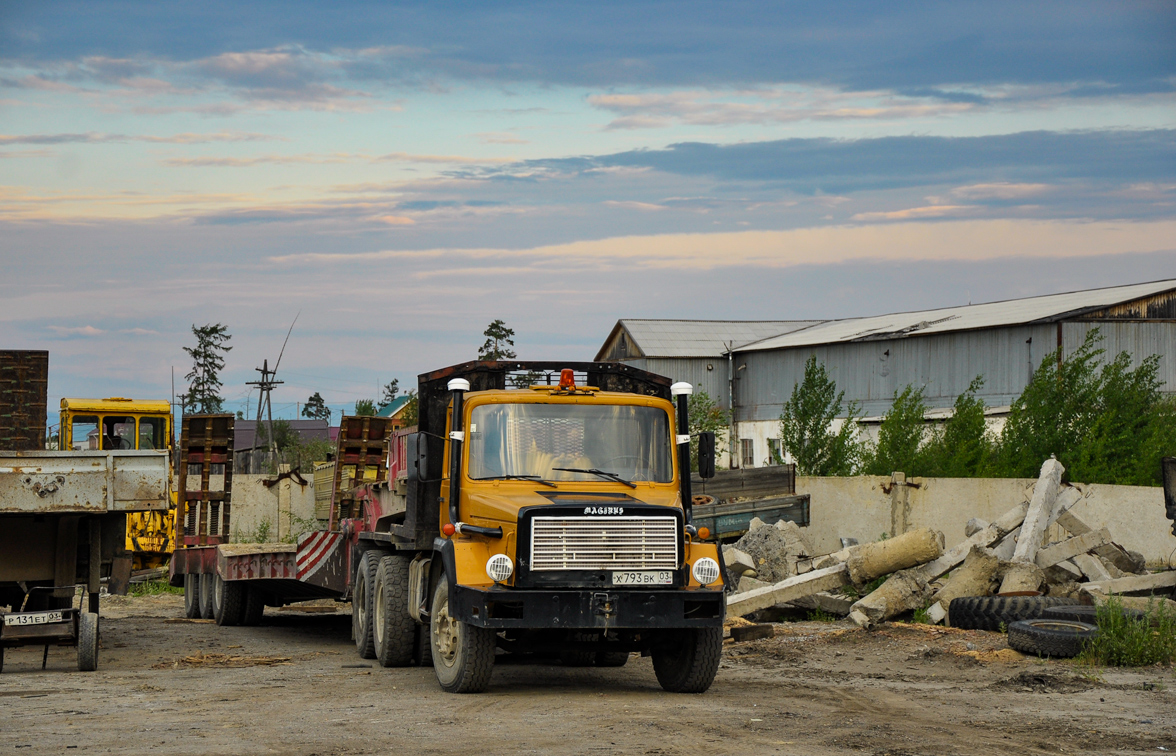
295,685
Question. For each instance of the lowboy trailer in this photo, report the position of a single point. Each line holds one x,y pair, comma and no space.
553,518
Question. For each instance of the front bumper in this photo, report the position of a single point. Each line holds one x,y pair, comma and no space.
601,609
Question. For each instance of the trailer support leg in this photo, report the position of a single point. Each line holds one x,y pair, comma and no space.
95,578
45,657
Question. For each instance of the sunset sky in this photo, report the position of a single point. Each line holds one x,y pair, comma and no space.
400,174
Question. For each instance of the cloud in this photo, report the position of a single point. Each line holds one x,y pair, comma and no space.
1001,190
93,137
77,331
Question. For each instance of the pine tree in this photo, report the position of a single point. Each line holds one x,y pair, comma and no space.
316,408
498,340
390,390
207,362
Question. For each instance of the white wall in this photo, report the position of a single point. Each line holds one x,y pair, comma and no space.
254,503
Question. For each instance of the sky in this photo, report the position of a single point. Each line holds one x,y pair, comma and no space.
397,175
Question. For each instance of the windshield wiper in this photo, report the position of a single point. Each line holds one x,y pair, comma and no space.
601,473
535,478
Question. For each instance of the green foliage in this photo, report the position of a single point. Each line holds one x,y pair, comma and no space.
411,409
961,448
1107,423
527,379
284,436
388,392
805,426
499,339
820,615
1125,641
153,588
900,436
365,407
316,408
260,535
921,617
207,362
706,416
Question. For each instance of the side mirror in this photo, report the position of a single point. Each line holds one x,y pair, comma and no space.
706,455
417,446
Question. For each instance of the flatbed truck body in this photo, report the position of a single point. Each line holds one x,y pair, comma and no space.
551,518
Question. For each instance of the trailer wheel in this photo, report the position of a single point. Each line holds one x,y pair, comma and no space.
87,642
254,608
393,629
192,596
207,591
685,660
229,601
361,604
463,655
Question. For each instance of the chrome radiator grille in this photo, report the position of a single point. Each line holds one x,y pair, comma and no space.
604,543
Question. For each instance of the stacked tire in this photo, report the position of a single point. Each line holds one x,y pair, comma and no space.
997,613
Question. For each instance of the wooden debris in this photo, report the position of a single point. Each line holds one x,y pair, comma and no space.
1060,552
201,659
1134,583
752,632
786,591
872,560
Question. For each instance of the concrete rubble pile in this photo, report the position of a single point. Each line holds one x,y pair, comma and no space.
774,566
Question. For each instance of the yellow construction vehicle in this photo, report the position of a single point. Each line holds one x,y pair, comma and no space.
118,423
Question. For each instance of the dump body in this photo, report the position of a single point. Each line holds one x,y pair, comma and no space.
84,482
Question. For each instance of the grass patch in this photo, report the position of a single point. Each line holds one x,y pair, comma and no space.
921,617
153,588
820,615
1125,641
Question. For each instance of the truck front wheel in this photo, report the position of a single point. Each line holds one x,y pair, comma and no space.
685,660
361,605
463,655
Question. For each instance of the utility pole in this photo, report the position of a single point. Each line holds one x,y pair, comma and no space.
264,387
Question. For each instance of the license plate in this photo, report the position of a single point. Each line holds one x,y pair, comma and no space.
643,577
33,618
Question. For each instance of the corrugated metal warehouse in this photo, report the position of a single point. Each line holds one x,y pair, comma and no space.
870,358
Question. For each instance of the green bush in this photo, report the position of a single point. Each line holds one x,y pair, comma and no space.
900,436
1125,641
153,588
706,415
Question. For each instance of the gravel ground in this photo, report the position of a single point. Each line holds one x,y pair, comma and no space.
295,685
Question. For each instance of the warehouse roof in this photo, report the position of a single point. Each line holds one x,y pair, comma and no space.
1147,300
695,338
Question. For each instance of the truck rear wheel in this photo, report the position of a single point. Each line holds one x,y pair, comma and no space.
685,660
463,655
361,604
254,608
87,642
228,601
393,629
192,596
207,589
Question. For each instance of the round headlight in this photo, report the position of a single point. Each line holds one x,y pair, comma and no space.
705,571
499,567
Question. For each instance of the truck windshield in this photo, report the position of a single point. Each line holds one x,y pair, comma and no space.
534,439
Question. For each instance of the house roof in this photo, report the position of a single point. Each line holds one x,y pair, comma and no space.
245,432
697,338
1032,310
390,409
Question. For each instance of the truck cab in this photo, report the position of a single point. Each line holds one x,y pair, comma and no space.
558,517
122,424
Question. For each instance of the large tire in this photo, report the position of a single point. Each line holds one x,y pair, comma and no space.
207,592
990,612
424,647
1085,613
1060,639
192,596
361,603
254,608
577,657
393,629
612,658
87,642
463,655
229,601
685,660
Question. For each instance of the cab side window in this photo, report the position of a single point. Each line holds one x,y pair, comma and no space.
118,432
151,434
83,432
